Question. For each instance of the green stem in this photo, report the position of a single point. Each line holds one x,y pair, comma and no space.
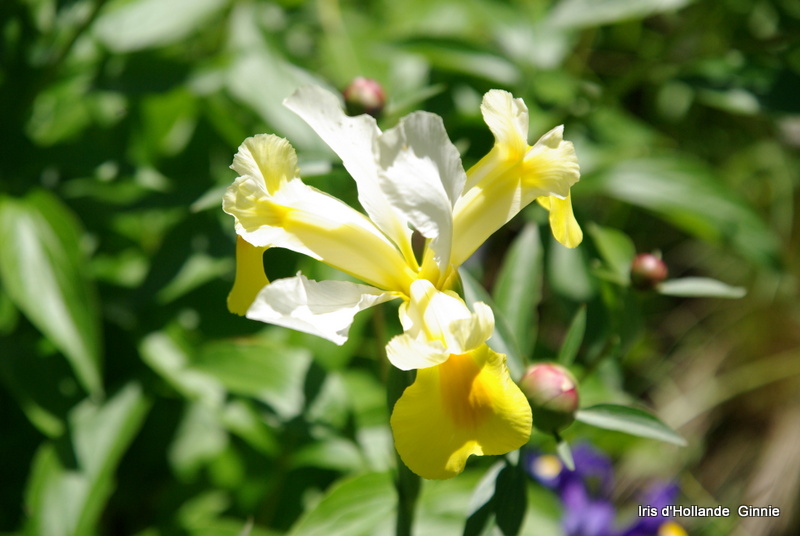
407,483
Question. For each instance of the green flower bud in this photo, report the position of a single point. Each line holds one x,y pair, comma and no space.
553,393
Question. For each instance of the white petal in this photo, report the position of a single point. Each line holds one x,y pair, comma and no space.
323,308
407,353
352,139
422,175
469,333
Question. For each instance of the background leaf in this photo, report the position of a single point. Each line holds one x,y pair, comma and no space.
44,272
518,288
699,287
629,420
72,478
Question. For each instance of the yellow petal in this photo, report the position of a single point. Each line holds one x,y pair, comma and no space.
270,158
504,182
563,224
250,276
467,405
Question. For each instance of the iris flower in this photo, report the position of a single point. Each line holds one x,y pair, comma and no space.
408,178
586,492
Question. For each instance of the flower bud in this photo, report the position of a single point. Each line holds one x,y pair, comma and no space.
553,393
647,271
364,96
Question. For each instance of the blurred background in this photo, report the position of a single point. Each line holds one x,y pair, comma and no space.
132,402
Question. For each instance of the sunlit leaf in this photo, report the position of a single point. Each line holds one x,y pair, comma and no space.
574,337
565,453
503,340
518,288
617,251
126,26
700,287
359,506
629,420
261,368
688,195
582,13
44,273
72,478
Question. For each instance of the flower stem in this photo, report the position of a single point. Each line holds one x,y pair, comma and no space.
407,483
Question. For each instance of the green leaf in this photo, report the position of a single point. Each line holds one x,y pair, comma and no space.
700,287
572,342
565,453
617,250
567,272
44,273
629,420
583,13
510,500
518,289
503,340
688,195
360,506
267,370
126,26
199,438
72,478
481,506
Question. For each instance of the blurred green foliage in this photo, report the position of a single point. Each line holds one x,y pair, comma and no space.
134,403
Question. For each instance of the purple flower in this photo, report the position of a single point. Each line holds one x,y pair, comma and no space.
585,515
585,495
658,496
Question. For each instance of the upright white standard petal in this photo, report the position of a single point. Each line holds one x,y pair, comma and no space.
322,308
422,176
352,139
436,325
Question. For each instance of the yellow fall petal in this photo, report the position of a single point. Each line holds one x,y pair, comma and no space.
250,277
467,405
563,224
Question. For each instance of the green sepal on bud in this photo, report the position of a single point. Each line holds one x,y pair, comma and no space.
647,271
552,391
364,96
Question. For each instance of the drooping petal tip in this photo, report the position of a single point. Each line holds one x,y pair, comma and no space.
250,277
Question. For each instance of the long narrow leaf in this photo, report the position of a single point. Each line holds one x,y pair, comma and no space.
629,420
518,289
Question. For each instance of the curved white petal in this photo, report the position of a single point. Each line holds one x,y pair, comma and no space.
352,139
409,353
422,176
437,324
322,308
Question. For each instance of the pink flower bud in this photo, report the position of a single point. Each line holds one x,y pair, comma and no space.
647,271
364,96
553,393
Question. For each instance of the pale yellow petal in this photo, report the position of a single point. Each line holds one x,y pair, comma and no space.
308,221
467,405
267,157
506,186
250,276
563,224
